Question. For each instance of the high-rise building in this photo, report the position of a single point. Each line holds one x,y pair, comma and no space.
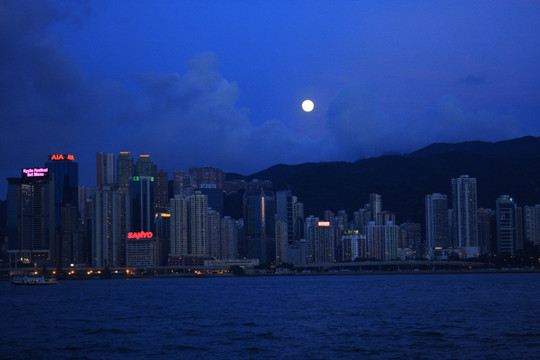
281,242
72,241
342,220
66,182
31,218
105,169
329,216
410,236
124,170
207,176
310,234
389,241
519,228
324,243
229,238
259,226
181,181
531,224
214,234
198,224
84,199
161,191
487,231
110,227
437,237
215,197
285,215
179,225
298,218
385,217
162,237
144,166
141,193
373,235
375,205
362,217
350,243
506,213
465,206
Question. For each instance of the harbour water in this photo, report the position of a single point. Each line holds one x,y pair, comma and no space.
450,316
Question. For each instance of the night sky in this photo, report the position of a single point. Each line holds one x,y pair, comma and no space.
220,83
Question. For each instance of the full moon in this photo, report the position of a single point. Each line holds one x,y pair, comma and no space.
307,105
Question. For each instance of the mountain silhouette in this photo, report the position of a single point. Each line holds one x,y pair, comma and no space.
505,167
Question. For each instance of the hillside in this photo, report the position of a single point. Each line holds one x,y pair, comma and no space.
505,167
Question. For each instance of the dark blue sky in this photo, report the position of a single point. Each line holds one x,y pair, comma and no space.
220,83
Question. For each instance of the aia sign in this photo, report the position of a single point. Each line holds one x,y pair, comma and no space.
56,157
140,235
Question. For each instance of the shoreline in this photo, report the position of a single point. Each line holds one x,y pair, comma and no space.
263,273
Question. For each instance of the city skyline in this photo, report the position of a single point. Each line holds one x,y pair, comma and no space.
220,84
44,217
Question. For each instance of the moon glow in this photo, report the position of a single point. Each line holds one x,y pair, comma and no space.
307,105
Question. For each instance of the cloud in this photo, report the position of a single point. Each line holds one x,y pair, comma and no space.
189,118
359,127
182,120
197,115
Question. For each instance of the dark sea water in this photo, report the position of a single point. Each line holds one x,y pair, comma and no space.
455,316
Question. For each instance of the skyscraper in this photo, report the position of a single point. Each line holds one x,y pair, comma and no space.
105,169
30,218
298,218
124,171
141,193
179,225
436,207
229,238
144,166
284,213
109,227
207,176
161,190
531,223
410,236
214,234
198,224
66,182
373,235
487,231
281,242
389,241
465,206
180,181
506,212
375,205
259,222
324,243
215,197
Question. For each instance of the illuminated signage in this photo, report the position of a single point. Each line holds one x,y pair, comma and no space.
135,178
140,235
323,223
57,157
163,215
35,172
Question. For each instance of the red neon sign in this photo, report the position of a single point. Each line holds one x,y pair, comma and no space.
62,157
140,235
